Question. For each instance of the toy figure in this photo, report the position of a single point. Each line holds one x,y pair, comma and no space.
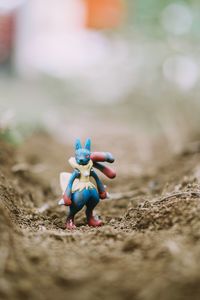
78,189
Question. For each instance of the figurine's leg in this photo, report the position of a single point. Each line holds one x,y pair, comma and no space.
91,203
78,201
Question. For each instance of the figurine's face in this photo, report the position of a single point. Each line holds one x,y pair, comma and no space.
82,155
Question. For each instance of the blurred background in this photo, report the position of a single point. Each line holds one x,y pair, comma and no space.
125,72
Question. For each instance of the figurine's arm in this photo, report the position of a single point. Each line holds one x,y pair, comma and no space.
100,186
68,191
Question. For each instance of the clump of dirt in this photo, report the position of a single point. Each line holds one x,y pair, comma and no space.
147,249
179,212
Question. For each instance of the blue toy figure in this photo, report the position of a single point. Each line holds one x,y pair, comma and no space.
78,190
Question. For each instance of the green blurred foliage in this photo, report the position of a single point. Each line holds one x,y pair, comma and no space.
144,15
11,136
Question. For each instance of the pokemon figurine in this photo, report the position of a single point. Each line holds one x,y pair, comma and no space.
78,189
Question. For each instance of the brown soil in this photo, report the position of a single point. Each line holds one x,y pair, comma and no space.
149,247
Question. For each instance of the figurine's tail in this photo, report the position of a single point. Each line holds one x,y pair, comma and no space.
64,179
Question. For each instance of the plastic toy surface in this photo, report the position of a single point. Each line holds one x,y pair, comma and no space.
83,187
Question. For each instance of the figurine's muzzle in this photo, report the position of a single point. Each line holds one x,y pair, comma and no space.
82,161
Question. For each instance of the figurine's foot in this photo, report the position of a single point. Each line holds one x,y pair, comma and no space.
94,221
70,224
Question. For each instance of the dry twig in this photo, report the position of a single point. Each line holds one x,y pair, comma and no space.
179,194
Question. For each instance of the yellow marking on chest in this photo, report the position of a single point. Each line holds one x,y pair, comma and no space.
83,182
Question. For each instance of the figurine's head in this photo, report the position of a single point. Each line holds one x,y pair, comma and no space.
82,155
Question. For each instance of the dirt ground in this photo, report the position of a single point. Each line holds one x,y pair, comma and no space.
148,248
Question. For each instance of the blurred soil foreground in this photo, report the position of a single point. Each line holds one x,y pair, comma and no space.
147,249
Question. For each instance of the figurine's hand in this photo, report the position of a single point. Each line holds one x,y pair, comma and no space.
67,201
103,195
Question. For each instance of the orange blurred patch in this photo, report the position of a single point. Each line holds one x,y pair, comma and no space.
104,14
6,36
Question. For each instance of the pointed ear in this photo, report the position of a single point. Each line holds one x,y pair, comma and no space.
77,144
88,144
